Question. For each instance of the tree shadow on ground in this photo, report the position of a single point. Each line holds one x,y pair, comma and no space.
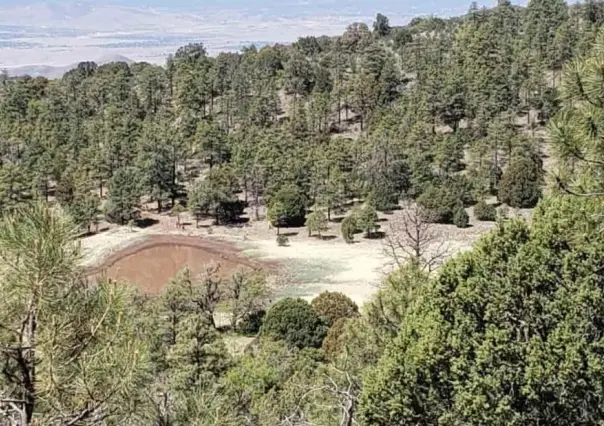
377,235
146,222
328,237
239,222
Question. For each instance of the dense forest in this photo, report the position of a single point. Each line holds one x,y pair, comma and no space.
440,113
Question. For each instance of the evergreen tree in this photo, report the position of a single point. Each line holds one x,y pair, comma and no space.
124,195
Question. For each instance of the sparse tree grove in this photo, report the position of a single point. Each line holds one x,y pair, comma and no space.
501,105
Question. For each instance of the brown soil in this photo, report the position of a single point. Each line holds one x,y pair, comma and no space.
151,264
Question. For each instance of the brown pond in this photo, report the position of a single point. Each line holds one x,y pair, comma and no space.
151,264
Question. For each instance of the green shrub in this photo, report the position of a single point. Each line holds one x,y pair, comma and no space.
332,306
349,228
366,219
334,341
520,184
295,322
439,202
461,219
251,323
287,207
316,222
282,241
462,188
485,212
384,196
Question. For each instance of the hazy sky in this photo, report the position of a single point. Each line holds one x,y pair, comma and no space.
62,32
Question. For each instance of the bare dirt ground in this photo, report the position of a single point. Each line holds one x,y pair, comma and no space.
307,267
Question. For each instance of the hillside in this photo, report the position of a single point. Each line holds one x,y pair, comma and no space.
396,225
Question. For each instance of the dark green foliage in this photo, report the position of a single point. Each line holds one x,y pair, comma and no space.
291,206
348,228
485,212
213,198
461,218
435,110
229,210
124,195
520,185
381,26
332,306
537,275
295,322
440,203
251,323
384,196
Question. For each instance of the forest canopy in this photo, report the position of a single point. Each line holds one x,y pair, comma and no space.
498,105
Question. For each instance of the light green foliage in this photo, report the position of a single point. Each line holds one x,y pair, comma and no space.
385,313
443,111
273,382
198,355
247,294
575,131
69,350
331,306
452,362
316,222
295,322
366,219
177,210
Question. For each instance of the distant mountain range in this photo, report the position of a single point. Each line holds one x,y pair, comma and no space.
50,71
48,37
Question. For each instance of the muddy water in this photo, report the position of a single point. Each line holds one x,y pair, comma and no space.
152,263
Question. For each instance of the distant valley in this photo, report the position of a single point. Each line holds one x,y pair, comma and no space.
48,38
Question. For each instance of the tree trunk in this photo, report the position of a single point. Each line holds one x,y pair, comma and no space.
158,206
28,363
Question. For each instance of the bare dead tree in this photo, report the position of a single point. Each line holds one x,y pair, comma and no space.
412,238
346,390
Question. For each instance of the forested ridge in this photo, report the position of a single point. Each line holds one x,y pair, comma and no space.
437,115
438,106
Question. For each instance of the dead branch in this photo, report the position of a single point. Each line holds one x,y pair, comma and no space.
412,238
